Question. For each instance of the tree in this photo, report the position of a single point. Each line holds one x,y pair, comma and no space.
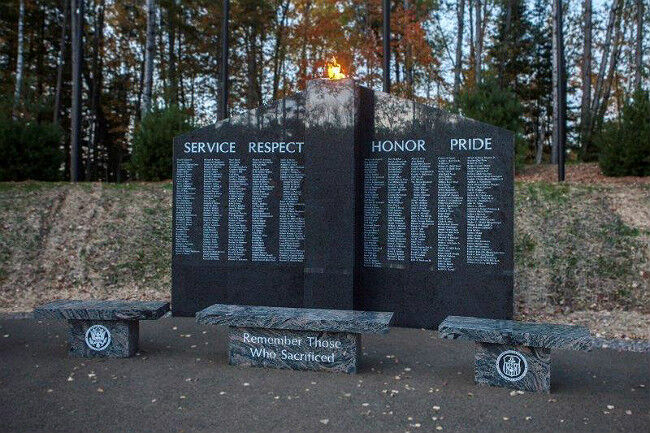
539,91
478,50
638,53
490,103
599,112
511,50
280,51
602,67
586,78
171,48
150,51
172,18
152,143
77,18
30,150
99,123
19,57
458,66
625,145
559,86
63,42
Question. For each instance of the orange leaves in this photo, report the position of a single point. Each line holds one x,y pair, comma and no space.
351,30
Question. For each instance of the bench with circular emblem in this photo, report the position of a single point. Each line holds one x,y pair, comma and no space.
514,354
104,329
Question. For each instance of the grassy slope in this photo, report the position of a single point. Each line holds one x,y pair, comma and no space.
581,250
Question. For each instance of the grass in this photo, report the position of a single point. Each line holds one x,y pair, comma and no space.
583,253
571,248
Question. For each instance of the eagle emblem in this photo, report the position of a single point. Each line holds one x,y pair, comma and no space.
98,337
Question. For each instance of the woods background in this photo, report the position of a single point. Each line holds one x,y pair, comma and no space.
150,71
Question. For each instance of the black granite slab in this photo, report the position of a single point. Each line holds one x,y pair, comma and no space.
510,332
238,211
294,350
110,339
438,215
102,310
516,367
297,319
389,205
332,188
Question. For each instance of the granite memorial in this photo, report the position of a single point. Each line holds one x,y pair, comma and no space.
102,329
341,197
513,354
295,338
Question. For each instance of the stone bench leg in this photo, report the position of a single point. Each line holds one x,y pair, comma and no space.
103,338
295,350
517,367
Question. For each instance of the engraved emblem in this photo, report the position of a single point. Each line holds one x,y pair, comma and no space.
98,337
512,365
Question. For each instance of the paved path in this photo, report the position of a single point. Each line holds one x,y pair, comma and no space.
410,381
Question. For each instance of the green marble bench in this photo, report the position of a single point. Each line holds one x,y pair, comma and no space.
515,354
103,329
295,338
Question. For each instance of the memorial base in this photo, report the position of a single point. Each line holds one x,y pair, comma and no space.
295,350
103,338
517,367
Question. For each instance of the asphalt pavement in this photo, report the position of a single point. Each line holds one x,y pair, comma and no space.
409,381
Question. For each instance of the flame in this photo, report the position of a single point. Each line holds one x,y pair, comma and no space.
334,70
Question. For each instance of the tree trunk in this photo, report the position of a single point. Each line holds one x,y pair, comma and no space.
586,78
460,12
602,68
171,43
162,59
192,99
19,59
150,51
252,64
96,90
508,44
470,6
61,62
559,82
279,52
138,102
541,138
39,59
396,65
179,70
76,15
638,52
613,63
408,58
478,51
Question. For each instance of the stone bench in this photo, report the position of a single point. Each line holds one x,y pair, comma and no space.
107,329
515,354
295,338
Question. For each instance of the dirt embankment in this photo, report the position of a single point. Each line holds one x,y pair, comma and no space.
89,240
582,250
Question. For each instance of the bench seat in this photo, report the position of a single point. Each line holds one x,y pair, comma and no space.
546,335
102,329
296,319
102,310
514,354
295,338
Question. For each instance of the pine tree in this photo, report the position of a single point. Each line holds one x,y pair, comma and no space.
511,57
539,89
511,50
